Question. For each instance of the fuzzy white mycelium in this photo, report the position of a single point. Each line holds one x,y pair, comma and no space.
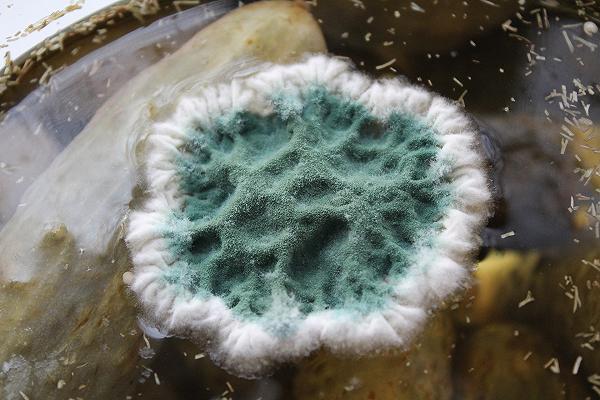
306,205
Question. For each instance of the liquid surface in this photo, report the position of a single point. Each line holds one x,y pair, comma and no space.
527,329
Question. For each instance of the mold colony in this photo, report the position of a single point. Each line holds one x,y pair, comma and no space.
305,205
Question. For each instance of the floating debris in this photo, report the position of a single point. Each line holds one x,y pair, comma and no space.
576,365
553,365
507,234
387,64
590,28
528,299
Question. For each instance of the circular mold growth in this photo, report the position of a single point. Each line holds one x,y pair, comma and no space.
304,206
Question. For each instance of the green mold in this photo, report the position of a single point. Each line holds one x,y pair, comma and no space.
319,201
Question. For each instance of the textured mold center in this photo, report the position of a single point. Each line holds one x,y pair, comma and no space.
318,202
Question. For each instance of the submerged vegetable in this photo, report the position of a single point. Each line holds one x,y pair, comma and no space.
62,254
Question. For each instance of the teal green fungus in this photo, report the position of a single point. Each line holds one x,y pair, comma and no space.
319,200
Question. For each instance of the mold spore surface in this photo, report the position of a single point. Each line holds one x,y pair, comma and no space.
318,202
